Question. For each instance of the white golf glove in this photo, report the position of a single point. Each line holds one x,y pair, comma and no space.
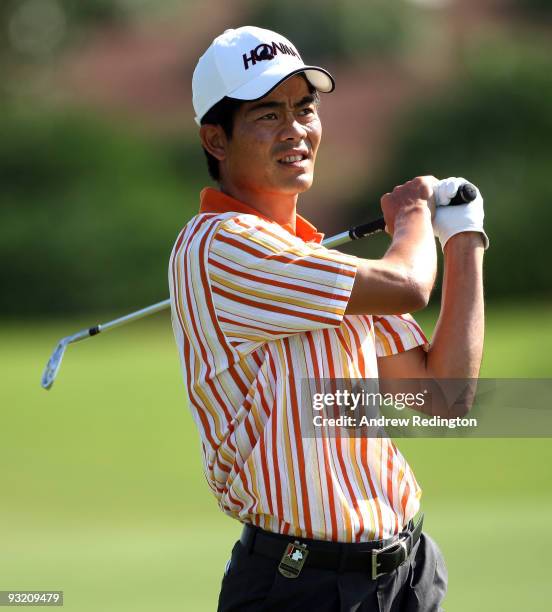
452,220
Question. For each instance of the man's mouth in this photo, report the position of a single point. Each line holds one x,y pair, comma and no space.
293,160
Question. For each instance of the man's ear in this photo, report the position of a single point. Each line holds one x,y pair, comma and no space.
214,140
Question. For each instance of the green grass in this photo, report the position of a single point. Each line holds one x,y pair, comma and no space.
104,496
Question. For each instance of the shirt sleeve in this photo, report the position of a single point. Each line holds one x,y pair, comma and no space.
396,334
267,284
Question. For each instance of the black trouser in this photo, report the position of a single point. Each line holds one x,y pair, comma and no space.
253,583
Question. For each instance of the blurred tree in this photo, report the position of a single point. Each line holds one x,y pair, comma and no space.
97,11
340,29
534,8
491,127
89,213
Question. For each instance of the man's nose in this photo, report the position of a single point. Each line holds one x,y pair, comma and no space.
293,129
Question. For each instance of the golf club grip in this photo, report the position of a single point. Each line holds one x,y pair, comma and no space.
466,193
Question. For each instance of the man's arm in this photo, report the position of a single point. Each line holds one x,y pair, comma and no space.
457,346
401,281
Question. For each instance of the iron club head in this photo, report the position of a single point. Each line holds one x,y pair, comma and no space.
54,363
52,367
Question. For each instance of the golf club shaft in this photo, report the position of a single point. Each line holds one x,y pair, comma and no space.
133,316
54,363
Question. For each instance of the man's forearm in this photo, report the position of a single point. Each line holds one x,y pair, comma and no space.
457,344
402,279
413,247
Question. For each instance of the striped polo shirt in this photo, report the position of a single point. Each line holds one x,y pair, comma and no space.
256,309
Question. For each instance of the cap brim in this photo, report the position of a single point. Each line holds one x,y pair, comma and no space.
264,83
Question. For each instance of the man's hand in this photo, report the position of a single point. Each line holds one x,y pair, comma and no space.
452,220
417,193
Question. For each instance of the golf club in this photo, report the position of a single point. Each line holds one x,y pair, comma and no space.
466,193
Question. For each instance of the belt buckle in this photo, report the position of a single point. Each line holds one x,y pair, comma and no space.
376,551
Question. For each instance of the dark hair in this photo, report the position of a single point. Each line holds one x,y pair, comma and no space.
223,113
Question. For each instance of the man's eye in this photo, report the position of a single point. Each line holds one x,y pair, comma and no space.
309,110
268,116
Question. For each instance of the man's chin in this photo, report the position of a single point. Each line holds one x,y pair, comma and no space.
298,184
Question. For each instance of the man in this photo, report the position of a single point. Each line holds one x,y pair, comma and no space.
258,305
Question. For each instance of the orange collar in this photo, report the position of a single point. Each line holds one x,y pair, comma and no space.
213,200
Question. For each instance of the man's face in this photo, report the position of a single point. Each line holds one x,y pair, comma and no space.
268,136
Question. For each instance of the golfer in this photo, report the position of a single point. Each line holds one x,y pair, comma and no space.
259,305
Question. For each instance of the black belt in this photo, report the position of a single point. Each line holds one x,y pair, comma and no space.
377,557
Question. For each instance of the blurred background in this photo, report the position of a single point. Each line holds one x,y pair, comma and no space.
100,166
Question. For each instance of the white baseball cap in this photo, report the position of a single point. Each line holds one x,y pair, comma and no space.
247,63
